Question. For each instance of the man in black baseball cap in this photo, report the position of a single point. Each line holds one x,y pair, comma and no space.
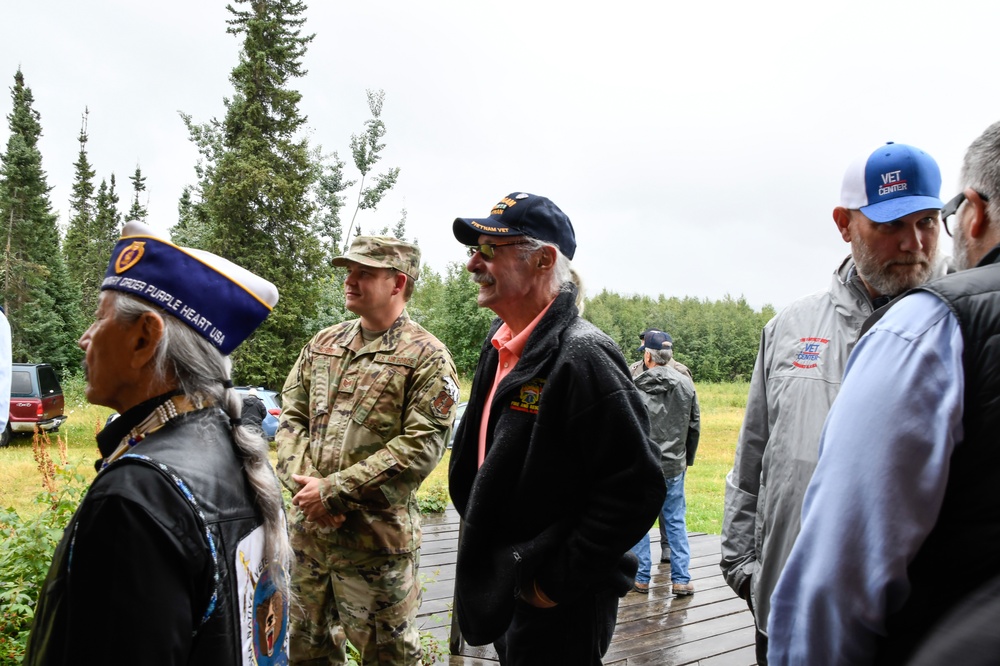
551,470
520,214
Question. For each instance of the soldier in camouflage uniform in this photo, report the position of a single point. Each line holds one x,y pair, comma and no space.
364,416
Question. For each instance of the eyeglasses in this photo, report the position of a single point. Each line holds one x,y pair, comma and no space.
952,207
489,250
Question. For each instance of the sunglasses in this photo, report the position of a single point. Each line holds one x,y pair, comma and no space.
489,250
952,207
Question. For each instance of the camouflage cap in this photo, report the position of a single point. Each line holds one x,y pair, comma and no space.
383,252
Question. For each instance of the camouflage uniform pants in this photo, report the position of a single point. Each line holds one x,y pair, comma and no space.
342,594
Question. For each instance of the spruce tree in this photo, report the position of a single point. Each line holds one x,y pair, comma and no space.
137,211
81,204
255,183
41,300
77,248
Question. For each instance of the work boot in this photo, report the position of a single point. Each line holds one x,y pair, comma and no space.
682,589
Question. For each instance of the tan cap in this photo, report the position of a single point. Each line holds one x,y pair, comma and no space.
383,252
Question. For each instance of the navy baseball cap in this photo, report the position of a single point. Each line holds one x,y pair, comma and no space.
520,214
655,340
892,182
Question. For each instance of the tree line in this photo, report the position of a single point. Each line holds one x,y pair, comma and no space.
265,198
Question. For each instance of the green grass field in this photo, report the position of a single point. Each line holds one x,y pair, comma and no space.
721,414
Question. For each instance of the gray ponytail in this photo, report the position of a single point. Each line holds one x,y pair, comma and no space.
198,368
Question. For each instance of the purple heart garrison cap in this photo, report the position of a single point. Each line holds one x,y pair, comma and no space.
223,302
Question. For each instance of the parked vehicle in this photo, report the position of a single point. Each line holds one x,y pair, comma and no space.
36,400
459,412
272,403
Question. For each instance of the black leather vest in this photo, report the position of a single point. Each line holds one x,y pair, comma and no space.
962,551
187,473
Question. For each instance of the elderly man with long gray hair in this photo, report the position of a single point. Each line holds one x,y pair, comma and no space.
178,554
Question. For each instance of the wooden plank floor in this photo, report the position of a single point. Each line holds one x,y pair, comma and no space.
711,628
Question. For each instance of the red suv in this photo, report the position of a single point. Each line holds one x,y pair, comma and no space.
36,400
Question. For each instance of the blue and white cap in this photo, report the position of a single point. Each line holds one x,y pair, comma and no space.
223,302
892,182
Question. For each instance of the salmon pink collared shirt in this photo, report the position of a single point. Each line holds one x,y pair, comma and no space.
510,348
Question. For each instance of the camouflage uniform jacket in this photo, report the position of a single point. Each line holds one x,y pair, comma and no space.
371,421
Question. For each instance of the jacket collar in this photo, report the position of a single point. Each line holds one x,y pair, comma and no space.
539,347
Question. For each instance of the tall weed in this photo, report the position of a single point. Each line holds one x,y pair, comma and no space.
28,544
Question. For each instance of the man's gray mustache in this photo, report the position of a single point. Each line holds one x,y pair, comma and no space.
483,279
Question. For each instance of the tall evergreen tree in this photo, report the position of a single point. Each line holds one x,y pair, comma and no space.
81,208
137,211
104,233
77,246
256,180
41,300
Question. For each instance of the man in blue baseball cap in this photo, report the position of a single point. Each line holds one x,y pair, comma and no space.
896,560
890,214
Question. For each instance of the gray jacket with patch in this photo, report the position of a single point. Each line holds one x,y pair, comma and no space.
803,351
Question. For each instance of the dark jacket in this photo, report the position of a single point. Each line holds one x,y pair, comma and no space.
570,481
254,412
674,417
965,541
134,577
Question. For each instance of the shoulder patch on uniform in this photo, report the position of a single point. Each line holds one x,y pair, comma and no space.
809,353
393,359
529,396
445,399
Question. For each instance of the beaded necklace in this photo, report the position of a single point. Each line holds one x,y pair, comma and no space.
169,409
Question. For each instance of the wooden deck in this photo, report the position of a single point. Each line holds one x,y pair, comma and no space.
711,628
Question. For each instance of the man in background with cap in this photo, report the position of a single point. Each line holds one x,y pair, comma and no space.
635,370
890,214
178,553
640,367
890,547
551,470
364,414
675,427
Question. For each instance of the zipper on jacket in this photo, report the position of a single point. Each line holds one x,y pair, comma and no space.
517,573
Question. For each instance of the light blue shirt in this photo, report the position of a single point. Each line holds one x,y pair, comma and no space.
877,490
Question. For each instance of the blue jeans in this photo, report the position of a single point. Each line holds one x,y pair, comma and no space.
641,551
672,518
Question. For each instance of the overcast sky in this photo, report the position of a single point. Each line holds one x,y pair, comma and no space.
698,148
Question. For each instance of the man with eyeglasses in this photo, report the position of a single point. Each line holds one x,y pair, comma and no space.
364,414
552,470
889,213
902,518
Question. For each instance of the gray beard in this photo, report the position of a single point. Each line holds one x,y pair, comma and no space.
880,278
960,251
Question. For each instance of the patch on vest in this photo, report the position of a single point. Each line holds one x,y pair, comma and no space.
530,395
809,353
263,605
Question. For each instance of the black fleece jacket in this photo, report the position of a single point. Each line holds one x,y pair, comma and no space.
570,481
